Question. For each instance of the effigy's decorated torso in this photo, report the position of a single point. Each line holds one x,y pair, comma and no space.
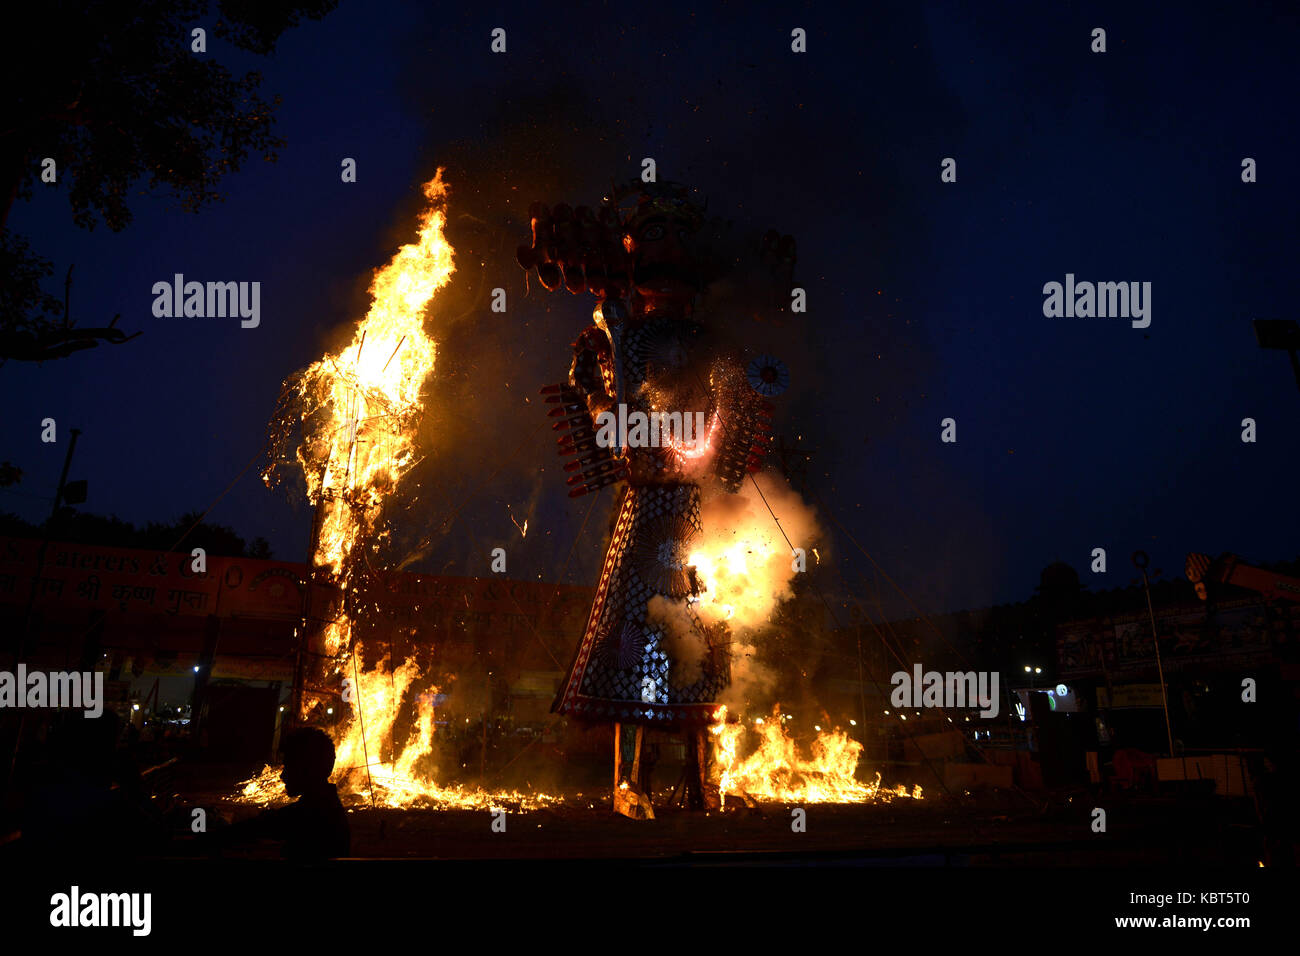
630,665
653,400
649,382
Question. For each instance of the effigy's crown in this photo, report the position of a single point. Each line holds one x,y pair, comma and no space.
637,201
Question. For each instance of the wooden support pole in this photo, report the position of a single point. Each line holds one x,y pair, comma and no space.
636,756
618,753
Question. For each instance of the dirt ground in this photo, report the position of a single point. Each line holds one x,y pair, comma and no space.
966,830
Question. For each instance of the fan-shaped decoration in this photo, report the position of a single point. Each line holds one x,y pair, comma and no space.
662,555
623,648
667,352
768,375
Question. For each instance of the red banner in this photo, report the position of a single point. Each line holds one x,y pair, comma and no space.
132,581
146,582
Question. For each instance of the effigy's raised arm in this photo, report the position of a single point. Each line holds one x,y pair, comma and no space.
576,248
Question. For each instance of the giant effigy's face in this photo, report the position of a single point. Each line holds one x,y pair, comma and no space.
664,268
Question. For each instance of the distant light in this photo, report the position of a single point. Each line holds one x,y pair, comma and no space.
902,716
853,723
817,727
886,712
329,710
135,706
1062,690
196,668
282,708
1026,668
1038,670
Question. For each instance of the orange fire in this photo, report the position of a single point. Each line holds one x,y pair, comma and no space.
743,558
405,780
746,563
775,770
359,410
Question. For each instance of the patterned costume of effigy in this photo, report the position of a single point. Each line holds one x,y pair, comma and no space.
656,401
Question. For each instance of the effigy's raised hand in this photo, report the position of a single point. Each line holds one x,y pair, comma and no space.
577,248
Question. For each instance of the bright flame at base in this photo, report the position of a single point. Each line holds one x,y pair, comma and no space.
361,773
393,792
776,771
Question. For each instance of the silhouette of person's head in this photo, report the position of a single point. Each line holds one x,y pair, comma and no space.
308,760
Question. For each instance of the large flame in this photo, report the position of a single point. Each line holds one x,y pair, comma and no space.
364,773
775,770
743,559
359,411
366,400
746,563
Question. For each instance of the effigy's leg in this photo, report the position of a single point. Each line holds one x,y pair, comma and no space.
649,758
618,757
635,775
700,793
694,796
710,797
629,799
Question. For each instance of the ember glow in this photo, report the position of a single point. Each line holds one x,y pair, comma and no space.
358,412
364,774
742,560
746,567
699,446
775,770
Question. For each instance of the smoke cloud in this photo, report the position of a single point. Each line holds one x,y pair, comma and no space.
746,569
684,643
745,557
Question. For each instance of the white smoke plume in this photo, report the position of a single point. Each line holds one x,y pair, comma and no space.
746,568
743,559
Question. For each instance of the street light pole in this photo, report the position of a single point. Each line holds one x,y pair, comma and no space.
45,544
21,650
1140,561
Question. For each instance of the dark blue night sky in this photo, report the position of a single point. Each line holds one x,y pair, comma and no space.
925,298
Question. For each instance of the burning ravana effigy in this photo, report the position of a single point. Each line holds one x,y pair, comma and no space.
657,399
